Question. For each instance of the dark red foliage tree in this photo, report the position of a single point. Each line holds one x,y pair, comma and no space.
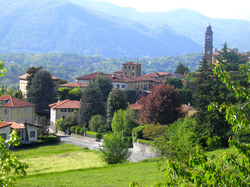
162,105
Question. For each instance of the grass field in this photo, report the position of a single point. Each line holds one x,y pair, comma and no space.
52,166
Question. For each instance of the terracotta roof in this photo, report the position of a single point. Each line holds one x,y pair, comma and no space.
4,124
74,85
10,101
162,73
89,76
155,75
185,107
66,104
24,76
15,125
136,106
131,63
120,71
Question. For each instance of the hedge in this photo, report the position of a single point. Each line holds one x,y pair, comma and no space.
145,142
137,132
94,134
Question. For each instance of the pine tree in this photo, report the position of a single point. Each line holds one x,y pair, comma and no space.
41,92
91,104
31,71
181,69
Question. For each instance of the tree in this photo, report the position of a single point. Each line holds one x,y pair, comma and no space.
226,170
17,93
41,92
97,123
43,123
131,96
181,69
75,94
176,82
63,93
10,165
91,104
162,105
130,119
116,101
153,131
31,71
115,148
104,84
62,81
117,123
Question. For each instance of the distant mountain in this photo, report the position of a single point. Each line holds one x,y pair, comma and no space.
34,26
186,22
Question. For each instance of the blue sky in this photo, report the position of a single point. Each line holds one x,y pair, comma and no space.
236,9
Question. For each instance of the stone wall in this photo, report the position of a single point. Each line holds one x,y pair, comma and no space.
61,133
73,135
144,149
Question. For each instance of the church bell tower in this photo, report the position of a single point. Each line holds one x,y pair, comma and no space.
208,53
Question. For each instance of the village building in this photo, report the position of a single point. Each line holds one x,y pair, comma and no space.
15,109
23,84
73,85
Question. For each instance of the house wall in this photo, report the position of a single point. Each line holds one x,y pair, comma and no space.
6,130
140,85
191,112
18,114
29,129
133,70
120,85
59,114
85,81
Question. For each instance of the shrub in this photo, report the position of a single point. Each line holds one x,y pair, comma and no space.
147,142
77,129
94,135
153,131
51,139
115,148
137,132
81,130
213,143
72,129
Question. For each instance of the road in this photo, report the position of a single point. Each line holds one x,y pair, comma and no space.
135,157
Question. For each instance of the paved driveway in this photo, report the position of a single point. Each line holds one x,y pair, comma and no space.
135,157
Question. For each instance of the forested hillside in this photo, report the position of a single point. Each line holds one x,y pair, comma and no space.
187,22
69,66
33,26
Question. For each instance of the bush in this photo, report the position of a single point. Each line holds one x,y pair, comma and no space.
115,148
94,135
72,129
137,132
145,142
77,130
81,130
213,143
51,139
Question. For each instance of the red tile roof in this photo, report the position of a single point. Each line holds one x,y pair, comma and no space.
24,77
10,101
185,107
154,75
74,85
89,76
120,71
66,104
136,106
4,124
131,63
15,125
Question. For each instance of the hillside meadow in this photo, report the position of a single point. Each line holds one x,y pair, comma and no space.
70,165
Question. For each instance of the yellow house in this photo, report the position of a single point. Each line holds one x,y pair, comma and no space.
14,109
63,110
187,110
23,84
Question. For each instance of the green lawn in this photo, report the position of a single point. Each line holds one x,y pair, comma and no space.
69,165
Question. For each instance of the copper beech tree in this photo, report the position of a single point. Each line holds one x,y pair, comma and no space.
162,105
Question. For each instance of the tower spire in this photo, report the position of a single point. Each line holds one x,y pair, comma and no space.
208,47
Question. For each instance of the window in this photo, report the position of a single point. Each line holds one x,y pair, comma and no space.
32,134
129,67
3,135
63,117
31,110
25,111
17,119
70,110
123,86
133,74
30,119
125,67
25,120
6,112
133,67
118,86
126,73
17,111
63,110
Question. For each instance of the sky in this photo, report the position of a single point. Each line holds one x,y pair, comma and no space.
236,9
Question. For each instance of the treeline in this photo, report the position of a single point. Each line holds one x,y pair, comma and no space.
68,66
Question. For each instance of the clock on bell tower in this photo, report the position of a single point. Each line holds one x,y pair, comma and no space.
208,53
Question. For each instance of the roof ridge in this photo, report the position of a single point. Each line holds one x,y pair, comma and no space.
12,101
